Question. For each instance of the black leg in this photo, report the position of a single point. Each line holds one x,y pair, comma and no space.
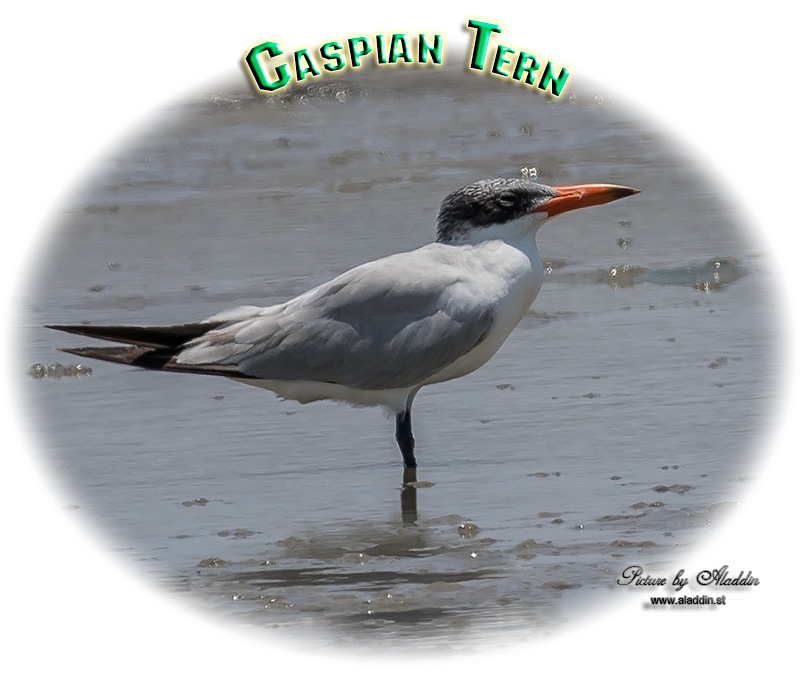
405,440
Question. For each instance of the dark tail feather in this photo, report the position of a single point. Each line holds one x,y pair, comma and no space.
142,336
146,357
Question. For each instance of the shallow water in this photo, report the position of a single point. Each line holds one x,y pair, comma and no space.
619,424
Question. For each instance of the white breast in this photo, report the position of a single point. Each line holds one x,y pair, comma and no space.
508,277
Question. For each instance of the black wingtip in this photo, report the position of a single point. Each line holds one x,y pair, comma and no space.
62,327
155,337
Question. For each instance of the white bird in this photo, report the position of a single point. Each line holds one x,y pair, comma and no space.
376,334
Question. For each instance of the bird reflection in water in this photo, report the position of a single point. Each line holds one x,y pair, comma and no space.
408,496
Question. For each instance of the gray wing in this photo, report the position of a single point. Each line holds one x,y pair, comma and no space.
383,325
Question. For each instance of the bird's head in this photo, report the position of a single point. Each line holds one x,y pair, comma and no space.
515,203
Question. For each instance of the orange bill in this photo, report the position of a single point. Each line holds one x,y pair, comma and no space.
582,196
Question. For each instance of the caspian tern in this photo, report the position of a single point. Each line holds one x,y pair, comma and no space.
376,334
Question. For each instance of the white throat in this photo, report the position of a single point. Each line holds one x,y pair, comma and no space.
515,232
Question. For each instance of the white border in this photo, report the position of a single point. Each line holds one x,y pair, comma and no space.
79,75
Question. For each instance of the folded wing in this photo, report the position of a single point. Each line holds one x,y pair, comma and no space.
384,325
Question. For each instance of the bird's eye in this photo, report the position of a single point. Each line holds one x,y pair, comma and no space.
507,200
